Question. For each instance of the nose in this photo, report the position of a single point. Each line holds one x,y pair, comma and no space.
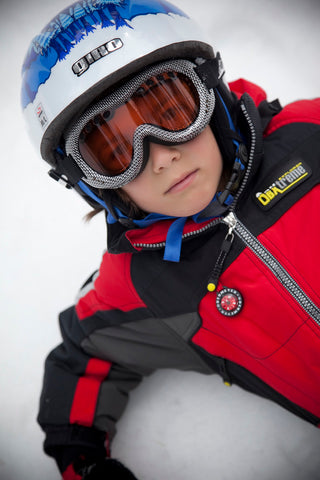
162,156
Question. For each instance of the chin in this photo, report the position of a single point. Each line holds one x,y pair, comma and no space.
196,208
190,211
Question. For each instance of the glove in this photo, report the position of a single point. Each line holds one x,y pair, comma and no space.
107,469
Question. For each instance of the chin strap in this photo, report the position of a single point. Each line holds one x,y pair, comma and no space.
174,236
225,197
92,195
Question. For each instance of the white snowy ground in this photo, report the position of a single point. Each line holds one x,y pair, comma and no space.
177,426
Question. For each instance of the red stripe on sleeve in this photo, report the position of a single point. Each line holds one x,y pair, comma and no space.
113,288
87,391
70,474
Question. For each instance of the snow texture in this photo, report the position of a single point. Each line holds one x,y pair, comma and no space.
178,426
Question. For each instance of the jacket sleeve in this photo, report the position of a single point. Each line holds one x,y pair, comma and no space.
84,392
82,397
111,339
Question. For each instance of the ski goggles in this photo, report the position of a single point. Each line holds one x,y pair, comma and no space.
166,103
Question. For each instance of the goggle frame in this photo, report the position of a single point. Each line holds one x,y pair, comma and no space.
145,131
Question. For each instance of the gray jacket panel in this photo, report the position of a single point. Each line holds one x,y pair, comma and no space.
162,341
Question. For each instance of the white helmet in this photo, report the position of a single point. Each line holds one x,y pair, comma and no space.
92,47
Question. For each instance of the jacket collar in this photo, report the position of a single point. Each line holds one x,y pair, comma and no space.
157,230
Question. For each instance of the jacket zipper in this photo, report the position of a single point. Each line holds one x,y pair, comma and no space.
250,158
235,226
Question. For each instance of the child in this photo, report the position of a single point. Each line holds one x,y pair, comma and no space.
211,198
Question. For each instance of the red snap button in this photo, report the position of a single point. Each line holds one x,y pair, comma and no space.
229,301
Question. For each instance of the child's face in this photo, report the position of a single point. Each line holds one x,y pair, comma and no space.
179,180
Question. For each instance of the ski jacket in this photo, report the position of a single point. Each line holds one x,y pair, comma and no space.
260,328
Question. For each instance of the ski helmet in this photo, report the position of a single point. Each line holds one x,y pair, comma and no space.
84,57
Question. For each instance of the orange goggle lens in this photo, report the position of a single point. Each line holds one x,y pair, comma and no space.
169,101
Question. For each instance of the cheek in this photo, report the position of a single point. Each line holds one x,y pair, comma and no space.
139,191
217,164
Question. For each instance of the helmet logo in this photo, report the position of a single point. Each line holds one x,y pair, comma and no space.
82,65
76,22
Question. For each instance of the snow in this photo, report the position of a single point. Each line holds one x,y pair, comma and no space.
177,426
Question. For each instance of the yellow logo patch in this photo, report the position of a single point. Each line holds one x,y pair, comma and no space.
283,184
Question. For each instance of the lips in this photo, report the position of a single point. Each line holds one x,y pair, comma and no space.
182,182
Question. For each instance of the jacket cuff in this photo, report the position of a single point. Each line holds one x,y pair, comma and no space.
74,444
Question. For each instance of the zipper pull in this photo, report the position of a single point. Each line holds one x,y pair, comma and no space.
231,221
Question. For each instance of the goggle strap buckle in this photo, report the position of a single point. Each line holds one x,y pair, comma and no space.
60,178
210,72
66,172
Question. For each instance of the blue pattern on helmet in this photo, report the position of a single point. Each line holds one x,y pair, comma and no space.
70,26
